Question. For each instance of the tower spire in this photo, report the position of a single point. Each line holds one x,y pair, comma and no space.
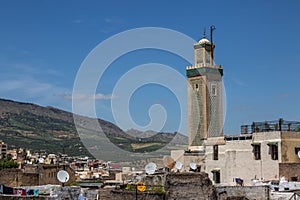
204,32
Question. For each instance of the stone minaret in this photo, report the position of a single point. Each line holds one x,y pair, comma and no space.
205,112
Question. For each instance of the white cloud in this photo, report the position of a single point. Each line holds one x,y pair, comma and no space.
239,83
78,21
113,20
284,95
243,107
111,24
98,96
25,86
20,70
30,89
40,85
25,82
108,20
103,96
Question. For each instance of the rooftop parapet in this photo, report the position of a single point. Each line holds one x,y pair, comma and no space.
267,126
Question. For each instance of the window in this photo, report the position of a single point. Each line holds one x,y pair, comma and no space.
216,152
294,178
273,151
197,87
213,89
297,149
256,151
216,176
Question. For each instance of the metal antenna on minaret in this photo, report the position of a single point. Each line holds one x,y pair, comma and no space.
212,28
204,32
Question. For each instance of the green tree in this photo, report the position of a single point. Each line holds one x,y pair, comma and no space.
5,163
8,156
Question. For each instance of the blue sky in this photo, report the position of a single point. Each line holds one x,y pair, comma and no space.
43,44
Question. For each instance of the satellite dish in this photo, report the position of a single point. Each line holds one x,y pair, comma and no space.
150,168
169,162
63,176
178,165
41,160
193,166
298,154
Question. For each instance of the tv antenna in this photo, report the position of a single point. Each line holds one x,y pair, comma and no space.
150,168
212,28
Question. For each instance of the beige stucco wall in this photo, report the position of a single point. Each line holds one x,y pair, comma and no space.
236,160
177,155
290,141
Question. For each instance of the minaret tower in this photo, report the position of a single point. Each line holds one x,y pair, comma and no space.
205,112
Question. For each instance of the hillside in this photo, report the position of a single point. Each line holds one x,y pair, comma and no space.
30,126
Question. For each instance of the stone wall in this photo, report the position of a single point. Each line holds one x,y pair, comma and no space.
242,192
289,170
158,179
91,194
195,186
123,194
48,174
34,175
67,193
105,194
15,178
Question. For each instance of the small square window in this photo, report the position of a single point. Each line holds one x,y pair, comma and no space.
294,178
214,90
197,87
216,176
274,152
256,151
216,152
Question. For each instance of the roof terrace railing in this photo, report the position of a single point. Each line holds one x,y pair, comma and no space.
266,126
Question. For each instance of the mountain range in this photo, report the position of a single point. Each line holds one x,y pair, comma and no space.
51,130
